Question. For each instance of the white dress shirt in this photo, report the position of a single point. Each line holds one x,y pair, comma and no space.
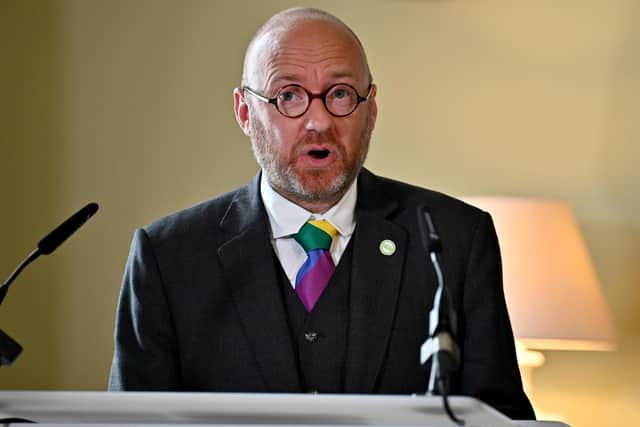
286,218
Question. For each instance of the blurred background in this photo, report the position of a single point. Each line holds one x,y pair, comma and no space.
129,103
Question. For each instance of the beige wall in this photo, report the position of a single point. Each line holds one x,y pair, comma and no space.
128,103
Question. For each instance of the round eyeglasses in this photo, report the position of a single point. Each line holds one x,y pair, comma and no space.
293,101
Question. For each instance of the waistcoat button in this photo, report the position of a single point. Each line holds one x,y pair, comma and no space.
311,336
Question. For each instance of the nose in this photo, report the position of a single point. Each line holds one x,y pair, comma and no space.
317,117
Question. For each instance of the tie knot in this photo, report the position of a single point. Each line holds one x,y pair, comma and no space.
315,234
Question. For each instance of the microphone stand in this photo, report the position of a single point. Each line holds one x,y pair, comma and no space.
440,346
28,260
9,348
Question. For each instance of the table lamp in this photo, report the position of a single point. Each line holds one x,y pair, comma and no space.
552,291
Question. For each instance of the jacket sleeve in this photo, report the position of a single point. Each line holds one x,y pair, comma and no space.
145,342
489,365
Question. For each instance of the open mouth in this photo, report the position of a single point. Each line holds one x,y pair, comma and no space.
319,154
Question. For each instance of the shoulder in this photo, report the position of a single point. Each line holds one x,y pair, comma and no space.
204,213
205,219
407,198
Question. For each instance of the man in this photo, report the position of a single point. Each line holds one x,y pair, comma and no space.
230,296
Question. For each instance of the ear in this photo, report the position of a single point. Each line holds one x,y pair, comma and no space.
373,106
241,110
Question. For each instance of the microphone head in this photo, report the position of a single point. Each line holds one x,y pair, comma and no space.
54,239
430,238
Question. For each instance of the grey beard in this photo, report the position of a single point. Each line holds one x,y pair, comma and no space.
285,179
296,189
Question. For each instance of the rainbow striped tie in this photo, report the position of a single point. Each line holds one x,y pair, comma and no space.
315,238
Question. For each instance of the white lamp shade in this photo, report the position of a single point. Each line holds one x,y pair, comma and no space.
552,292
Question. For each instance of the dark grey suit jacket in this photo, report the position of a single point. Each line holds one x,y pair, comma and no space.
200,308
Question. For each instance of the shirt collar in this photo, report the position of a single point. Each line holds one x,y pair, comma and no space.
286,217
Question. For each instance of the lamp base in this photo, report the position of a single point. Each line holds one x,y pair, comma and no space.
528,360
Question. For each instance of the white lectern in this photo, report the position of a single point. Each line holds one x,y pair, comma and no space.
108,408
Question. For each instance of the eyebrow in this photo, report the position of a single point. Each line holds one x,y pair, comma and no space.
342,74
278,80
285,78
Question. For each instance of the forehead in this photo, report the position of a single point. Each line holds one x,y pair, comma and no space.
314,53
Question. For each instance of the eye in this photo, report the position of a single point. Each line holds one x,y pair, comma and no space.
340,93
286,96
290,94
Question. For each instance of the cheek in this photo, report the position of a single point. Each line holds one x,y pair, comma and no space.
286,135
351,135
271,130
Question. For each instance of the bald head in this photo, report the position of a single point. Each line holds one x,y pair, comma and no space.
281,25
308,59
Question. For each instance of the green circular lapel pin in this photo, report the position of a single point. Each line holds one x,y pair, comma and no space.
387,247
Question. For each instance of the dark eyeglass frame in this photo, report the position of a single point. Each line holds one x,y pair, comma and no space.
311,97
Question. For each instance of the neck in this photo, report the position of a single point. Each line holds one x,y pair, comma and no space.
314,206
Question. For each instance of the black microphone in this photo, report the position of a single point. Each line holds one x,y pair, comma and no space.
10,349
440,346
51,241
54,239
430,238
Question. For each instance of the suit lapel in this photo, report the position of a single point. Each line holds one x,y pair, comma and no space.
375,286
246,256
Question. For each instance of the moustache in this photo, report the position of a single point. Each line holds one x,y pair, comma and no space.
315,140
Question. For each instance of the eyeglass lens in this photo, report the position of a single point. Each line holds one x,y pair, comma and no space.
340,100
